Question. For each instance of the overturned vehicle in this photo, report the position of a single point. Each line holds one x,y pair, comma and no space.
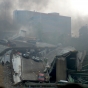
33,66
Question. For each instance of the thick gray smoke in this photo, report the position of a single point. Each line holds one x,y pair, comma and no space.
61,6
76,9
8,6
38,5
5,15
78,22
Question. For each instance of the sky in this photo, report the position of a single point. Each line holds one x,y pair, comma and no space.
69,7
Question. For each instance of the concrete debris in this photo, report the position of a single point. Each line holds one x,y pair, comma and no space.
42,64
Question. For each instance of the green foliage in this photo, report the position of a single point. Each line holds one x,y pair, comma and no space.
70,79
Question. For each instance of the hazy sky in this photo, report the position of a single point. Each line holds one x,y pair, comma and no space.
69,7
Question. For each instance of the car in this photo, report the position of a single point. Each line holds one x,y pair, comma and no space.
41,77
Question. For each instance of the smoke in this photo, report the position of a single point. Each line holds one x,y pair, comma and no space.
8,6
77,23
76,9
6,20
37,5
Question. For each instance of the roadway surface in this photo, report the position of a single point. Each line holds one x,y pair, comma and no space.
31,69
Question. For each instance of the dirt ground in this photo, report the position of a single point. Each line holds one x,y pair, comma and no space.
1,75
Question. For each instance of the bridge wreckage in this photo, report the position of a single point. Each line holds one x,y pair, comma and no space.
42,66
